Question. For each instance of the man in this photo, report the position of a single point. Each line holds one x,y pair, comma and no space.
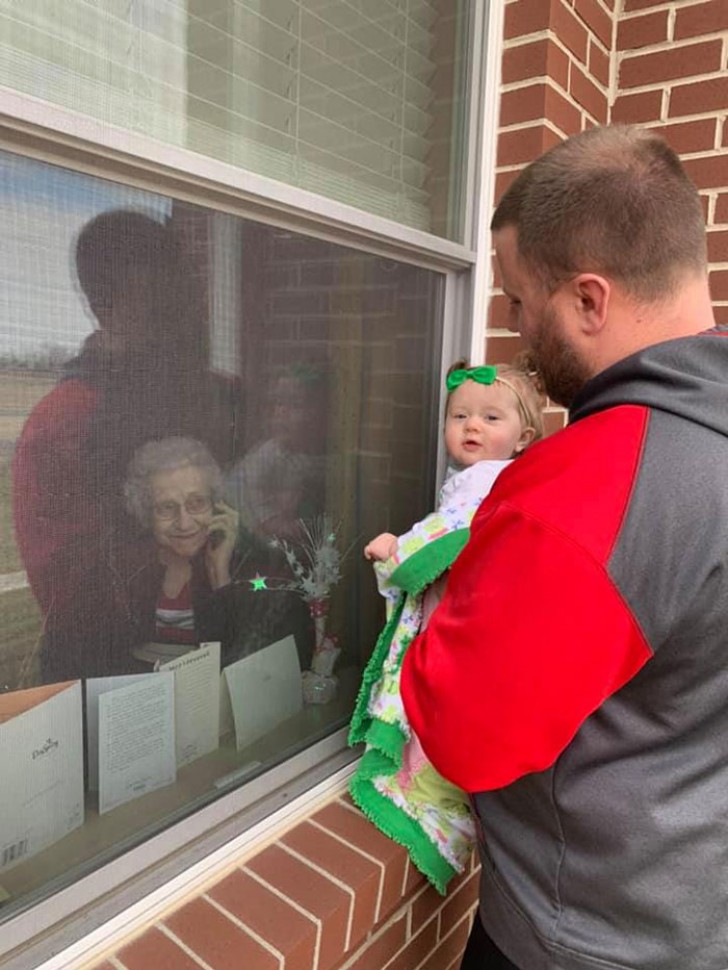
574,678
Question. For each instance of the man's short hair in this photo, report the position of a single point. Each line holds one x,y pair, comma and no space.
614,200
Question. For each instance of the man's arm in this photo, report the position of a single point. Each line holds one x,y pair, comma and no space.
529,639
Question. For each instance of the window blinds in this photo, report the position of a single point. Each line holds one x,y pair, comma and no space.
336,96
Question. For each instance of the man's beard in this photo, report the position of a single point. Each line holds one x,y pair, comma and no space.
562,371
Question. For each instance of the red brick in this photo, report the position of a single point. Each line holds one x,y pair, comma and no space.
377,954
719,284
721,315
718,246
460,904
525,104
413,880
526,17
450,948
346,865
562,113
721,208
503,180
216,939
522,145
416,951
273,919
725,133
705,18
538,101
350,824
424,907
554,421
541,58
630,5
679,62
699,96
313,892
637,108
569,30
588,95
638,32
154,949
598,64
705,205
596,19
499,317
710,172
689,136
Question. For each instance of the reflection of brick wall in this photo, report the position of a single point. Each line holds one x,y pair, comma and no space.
568,64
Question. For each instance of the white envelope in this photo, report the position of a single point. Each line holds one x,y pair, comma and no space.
41,766
265,689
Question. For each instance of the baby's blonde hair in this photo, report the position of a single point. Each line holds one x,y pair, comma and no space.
524,380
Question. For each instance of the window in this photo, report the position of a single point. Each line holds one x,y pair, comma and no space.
190,400
362,101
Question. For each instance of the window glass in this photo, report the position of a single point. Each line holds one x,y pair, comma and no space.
363,101
203,418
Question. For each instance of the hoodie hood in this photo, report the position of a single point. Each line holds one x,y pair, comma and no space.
687,377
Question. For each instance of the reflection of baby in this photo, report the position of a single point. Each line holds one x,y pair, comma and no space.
492,415
275,483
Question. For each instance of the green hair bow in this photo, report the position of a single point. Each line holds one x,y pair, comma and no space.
481,375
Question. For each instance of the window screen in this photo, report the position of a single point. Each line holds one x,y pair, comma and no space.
359,100
203,419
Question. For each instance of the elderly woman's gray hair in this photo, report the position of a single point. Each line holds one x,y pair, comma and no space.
165,455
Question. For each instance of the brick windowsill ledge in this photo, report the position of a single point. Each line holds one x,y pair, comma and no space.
331,894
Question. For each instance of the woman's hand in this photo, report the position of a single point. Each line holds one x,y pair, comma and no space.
222,533
381,548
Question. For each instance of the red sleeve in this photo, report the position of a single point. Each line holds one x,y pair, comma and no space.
529,639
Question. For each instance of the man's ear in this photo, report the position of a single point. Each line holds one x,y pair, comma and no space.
527,436
591,293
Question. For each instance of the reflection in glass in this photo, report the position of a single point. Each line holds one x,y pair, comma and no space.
185,395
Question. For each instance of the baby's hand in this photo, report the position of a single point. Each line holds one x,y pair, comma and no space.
381,548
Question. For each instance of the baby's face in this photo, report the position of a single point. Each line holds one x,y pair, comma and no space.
483,421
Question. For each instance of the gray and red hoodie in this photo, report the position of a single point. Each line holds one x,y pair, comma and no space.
574,678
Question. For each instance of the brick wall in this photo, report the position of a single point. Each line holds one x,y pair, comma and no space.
672,69
331,894
568,64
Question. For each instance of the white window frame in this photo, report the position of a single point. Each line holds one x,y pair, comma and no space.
169,864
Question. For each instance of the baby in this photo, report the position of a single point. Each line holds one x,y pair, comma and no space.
492,414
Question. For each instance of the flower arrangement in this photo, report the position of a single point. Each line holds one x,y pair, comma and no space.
315,565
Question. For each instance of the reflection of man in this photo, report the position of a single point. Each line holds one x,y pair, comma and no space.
138,376
574,677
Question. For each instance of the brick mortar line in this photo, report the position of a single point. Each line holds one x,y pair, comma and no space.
509,86
377,935
673,82
116,963
318,923
382,865
183,946
668,45
548,81
549,34
349,890
236,921
528,125
669,5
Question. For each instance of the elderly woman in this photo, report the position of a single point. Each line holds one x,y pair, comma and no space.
172,582
172,489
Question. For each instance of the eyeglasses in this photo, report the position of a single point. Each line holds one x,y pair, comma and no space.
193,505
